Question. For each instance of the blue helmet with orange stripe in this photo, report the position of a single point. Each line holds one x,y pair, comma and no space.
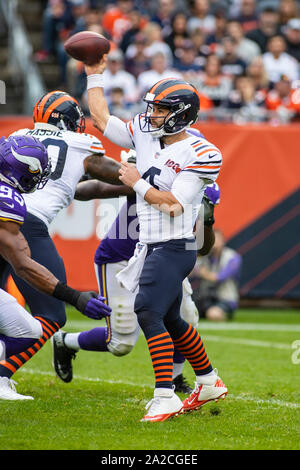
180,98
61,110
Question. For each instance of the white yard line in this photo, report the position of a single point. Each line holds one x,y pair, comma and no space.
271,402
248,342
238,326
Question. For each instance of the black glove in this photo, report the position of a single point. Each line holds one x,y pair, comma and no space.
89,303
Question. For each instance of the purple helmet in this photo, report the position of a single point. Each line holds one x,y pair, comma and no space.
212,194
24,163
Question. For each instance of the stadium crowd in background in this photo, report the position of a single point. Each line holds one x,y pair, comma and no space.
243,56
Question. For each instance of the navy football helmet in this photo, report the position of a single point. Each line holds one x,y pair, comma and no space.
180,97
61,110
24,163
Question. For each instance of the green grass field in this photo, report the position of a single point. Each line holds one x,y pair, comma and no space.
101,408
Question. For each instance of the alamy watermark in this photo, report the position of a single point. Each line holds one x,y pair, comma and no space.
2,92
154,224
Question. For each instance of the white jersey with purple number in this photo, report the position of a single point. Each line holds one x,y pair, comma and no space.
67,150
161,165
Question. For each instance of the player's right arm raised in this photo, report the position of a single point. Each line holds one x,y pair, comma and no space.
96,99
112,127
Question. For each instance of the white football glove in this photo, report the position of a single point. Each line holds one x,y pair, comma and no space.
129,156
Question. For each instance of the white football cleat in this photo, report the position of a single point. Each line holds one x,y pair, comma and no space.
211,389
8,390
164,405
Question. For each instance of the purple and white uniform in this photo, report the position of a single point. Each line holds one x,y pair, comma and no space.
16,324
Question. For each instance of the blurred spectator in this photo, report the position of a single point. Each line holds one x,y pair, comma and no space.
247,16
268,27
165,10
283,101
136,60
245,48
114,76
278,62
288,9
57,19
292,37
214,39
155,43
178,31
246,101
116,20
231,64
158,71
137,22
82,15
203,50
215,279
256,71
200,17
118,105
205,103
186,59
212,82
79,9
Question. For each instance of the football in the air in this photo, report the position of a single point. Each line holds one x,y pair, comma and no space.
87,46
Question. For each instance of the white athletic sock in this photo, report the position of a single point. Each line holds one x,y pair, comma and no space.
207,379
177,369
71,341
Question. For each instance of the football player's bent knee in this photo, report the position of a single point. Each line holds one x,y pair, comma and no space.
120,345
119,349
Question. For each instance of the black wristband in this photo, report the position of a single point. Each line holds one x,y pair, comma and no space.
66,293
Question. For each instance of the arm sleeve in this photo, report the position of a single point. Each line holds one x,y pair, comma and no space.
118,132
186,187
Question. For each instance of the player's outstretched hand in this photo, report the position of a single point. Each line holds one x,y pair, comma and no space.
92,305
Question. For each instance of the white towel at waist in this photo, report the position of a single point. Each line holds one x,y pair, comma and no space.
129,277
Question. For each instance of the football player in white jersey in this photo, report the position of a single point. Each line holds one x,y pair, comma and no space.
25,167
59,125
120,334
171,173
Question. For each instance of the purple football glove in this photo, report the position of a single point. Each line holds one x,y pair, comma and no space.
92,305
212,193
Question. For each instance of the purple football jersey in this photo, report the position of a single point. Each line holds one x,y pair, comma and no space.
12,204
119,242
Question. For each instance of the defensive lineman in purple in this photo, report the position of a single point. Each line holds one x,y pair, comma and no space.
24,167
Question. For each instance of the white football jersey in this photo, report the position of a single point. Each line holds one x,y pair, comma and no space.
67,150
160,166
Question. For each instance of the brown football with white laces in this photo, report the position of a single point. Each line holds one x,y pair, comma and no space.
87,46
